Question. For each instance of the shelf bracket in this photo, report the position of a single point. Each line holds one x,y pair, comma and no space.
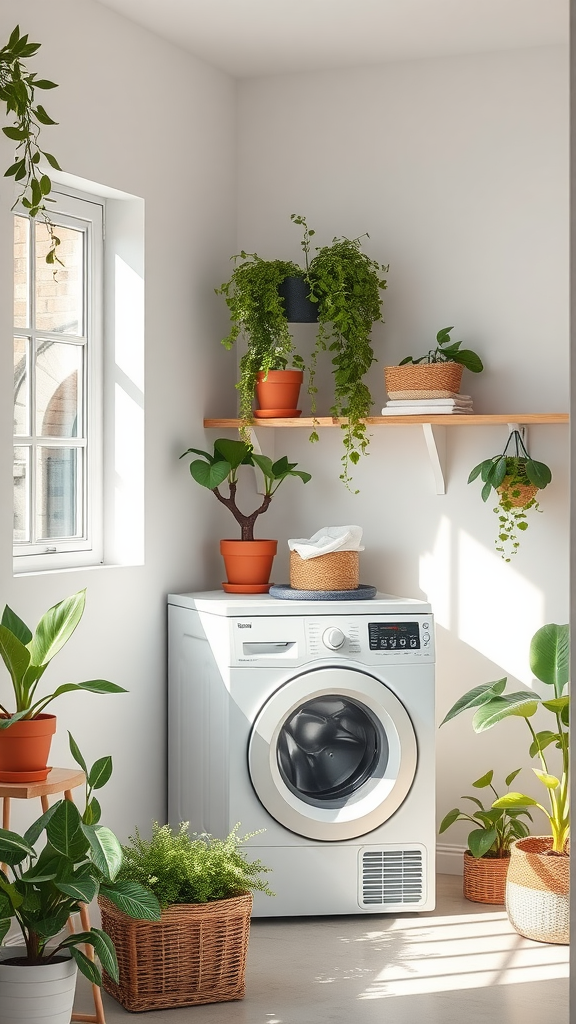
262,442
435,438
521,430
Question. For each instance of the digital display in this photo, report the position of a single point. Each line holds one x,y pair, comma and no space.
394,636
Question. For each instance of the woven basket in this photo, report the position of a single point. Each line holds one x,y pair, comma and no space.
423,380
538,891
195,954
338,570
527,492
485,878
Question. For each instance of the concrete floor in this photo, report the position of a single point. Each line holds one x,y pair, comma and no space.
459,964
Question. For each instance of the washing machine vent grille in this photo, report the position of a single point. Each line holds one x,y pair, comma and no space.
392,877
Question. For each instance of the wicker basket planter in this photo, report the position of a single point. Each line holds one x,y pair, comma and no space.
195,954
525,492
338,570
423,380
538,891
485,878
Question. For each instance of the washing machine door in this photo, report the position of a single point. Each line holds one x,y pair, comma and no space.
332,754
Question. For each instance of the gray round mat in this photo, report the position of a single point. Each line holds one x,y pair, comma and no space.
285,592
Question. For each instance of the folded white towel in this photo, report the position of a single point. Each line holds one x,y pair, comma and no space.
328,538
428,410
401,403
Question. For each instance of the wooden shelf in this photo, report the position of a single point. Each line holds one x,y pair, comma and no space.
452,420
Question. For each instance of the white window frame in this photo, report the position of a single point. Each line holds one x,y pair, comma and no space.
87,212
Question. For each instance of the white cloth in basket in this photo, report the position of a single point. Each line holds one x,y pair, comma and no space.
328,538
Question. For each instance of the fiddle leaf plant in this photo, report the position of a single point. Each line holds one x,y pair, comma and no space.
495,828
27,655
549,661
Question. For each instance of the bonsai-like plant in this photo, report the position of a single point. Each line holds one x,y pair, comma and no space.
180,868
495,829
18,88
27,656
257,312
78,860
517,479
549,661
448,351
223,464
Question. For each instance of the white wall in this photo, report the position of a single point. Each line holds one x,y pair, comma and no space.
458,170
141,116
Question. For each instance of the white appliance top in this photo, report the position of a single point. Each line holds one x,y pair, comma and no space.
216,602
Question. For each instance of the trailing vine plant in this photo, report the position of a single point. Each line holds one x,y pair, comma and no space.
18,88
517,479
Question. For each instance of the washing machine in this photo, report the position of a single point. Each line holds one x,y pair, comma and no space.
311,723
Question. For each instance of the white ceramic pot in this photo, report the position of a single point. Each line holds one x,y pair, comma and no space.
42,995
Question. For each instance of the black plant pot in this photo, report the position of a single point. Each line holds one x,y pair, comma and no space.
299,307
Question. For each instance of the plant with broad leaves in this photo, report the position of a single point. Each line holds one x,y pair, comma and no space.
27,655
517,479
495,828
41,888
549,661
18,88
448,351
223,464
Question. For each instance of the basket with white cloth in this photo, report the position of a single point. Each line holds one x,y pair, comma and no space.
328,560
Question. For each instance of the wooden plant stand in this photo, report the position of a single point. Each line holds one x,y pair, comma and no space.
60,780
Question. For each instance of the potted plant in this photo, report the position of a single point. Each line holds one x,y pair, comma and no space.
196,952
537,889
488,855
436,374
18,88
41,885
517,479
248,561
257,311
26,733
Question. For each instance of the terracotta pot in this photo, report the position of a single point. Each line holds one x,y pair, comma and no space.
485,878
538,891
279,390
423,380
25,749
248,564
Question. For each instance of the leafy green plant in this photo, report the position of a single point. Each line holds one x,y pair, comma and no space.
257,312
223,464
78,860
180,868
27,655
516,478
549,661
495,828
18,88
448,351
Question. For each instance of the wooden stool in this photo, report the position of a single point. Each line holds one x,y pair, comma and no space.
60,780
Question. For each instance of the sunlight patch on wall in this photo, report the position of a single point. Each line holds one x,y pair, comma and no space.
499,610
435,571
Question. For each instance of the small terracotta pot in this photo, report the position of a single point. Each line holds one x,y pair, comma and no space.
25,749
279,390
248,563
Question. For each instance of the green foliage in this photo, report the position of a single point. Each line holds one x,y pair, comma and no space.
180,868
18,92
508,475
78,860
213,468
27,655
257,312
549,661
495,829
448,351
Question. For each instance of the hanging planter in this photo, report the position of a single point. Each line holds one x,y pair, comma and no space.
300,309
517,479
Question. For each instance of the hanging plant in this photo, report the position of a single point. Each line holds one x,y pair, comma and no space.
517,479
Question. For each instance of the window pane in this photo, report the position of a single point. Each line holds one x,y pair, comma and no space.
59,303
58,389
59,493
21,271
21,371
21,499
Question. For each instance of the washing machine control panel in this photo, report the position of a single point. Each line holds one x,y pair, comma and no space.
394,636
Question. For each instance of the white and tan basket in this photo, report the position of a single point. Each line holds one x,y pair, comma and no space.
338,570
538,891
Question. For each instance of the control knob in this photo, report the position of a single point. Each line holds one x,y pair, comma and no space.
333,638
